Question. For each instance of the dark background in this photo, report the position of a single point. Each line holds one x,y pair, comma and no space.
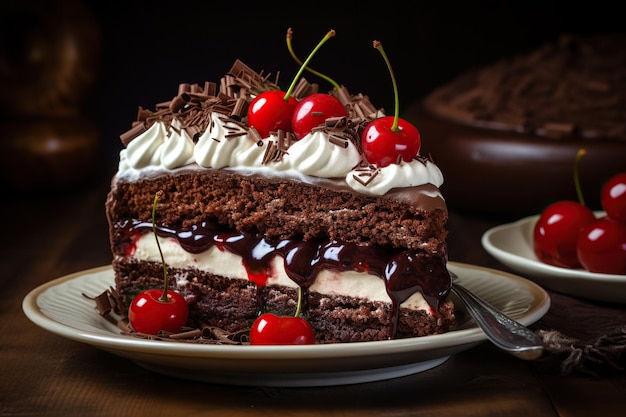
139,51
147,50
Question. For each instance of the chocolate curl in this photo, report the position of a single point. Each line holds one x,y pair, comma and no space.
255,134
189,334
163,105
335,122
342,95
303,89
128,136
183,88
226,86
338,141
253,81
143,114
179,102
210,88
222,336
369,174
241,106
273,152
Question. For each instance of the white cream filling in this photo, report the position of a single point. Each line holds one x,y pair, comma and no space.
227,264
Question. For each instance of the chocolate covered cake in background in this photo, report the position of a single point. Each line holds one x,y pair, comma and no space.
245,219
507,134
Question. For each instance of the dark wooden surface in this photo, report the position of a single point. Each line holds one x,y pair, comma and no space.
48,236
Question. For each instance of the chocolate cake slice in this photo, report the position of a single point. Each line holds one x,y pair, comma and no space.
244,221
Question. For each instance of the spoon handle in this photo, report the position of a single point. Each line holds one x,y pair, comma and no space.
502,330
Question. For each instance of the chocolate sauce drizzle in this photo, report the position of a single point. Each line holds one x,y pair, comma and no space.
404,272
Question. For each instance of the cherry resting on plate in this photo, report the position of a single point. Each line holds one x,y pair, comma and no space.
149,314
613,197
313,110
556,232
601,246
385,139
155,310
270,329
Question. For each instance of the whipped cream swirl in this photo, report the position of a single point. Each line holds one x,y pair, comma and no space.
225,144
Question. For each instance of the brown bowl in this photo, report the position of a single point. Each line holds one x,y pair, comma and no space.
509,174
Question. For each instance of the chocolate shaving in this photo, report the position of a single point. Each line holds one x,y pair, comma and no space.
179,102
131,134
338,141
240,108
272,153
189,334
369,173
104,303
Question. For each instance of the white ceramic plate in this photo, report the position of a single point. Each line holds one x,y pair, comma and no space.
512,244
60,307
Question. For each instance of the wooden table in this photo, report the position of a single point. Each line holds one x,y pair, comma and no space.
42,374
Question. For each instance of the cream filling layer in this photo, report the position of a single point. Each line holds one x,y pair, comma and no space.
227,264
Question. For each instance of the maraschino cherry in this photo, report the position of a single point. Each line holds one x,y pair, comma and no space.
270,329
155,310
613,197
601,246
274,109
555,234
387,139
314,109
270,111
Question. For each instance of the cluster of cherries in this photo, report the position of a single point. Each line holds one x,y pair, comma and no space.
569,235
383,141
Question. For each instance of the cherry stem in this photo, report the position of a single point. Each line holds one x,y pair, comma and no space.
579,155
328,35
299,308
396,117
311,70
163,297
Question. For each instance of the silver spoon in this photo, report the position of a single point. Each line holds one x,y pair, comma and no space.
503,331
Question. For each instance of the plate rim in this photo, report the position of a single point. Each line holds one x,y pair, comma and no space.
34,313
399,357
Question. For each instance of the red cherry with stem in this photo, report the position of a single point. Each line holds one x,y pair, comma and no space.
601,247
273,110
149,313
313,110
386,139
270,111
155,310
270,329
613,197
555,234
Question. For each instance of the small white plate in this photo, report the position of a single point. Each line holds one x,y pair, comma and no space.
60,307
512,244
